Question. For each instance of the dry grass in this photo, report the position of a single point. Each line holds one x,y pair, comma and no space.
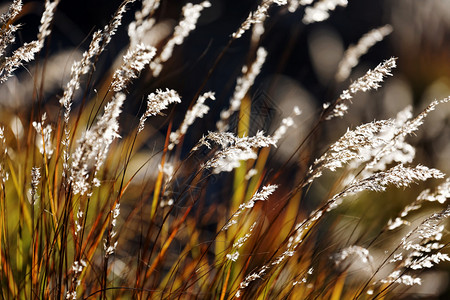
98,201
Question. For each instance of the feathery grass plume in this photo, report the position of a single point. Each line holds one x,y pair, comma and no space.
400,278
108,246
349,146
148,8
258,16
414,124
286,123
321,10
249,279
234,255
418,250
78,221
258,30
197,111
7,37
430,229
423,240
24,54
304,278
7,30
441,195
396,149
191,13
347,256
46,19
393,149
243,85
234,149
27,52
427,261
261,195
371,80
134,61
168,171
397,222
273,263
77,269
100,39
295,4
354,52
93,147
78,69
142,21
293,243
158,102
398,176
44,137
13,10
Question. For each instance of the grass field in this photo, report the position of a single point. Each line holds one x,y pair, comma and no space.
144,164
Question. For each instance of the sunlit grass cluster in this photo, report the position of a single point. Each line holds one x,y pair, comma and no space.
100,201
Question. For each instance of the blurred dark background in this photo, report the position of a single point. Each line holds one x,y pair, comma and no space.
420,39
